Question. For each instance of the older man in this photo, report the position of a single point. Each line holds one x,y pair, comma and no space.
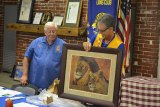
41,64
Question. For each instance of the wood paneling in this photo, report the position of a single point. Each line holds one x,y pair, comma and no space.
65,31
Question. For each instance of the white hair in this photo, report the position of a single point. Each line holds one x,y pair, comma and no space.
48,24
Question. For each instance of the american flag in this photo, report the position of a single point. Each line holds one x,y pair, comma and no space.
123,30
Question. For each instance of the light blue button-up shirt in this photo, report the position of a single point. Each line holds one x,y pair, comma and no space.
45,61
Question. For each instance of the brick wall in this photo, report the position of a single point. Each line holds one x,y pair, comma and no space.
146,38
24,39
56,7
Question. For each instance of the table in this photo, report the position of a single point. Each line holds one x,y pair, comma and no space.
58,102
2,100
140,91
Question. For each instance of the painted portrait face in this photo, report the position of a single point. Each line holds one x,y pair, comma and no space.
82,68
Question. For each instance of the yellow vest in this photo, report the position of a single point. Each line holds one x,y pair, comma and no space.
115,43
98,41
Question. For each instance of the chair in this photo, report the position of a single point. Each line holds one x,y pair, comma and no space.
27,89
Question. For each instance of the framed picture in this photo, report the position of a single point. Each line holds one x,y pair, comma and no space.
72,13
18,72
46,17
37,18
91,77
25,11
58,20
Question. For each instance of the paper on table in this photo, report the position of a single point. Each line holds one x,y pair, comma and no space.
1,87
23,104
9,93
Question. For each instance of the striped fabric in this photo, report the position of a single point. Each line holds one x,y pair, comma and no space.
124,26
140,92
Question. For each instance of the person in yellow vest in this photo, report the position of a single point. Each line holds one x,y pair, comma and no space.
106,36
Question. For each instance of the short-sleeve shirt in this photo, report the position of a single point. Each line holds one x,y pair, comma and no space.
45,61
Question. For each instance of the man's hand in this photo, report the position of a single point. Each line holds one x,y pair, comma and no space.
87,46
24,79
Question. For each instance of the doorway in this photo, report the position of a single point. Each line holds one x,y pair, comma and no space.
9,41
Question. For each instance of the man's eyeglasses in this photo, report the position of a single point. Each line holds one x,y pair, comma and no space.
101,31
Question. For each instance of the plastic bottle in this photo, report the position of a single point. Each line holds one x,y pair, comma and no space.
9,103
